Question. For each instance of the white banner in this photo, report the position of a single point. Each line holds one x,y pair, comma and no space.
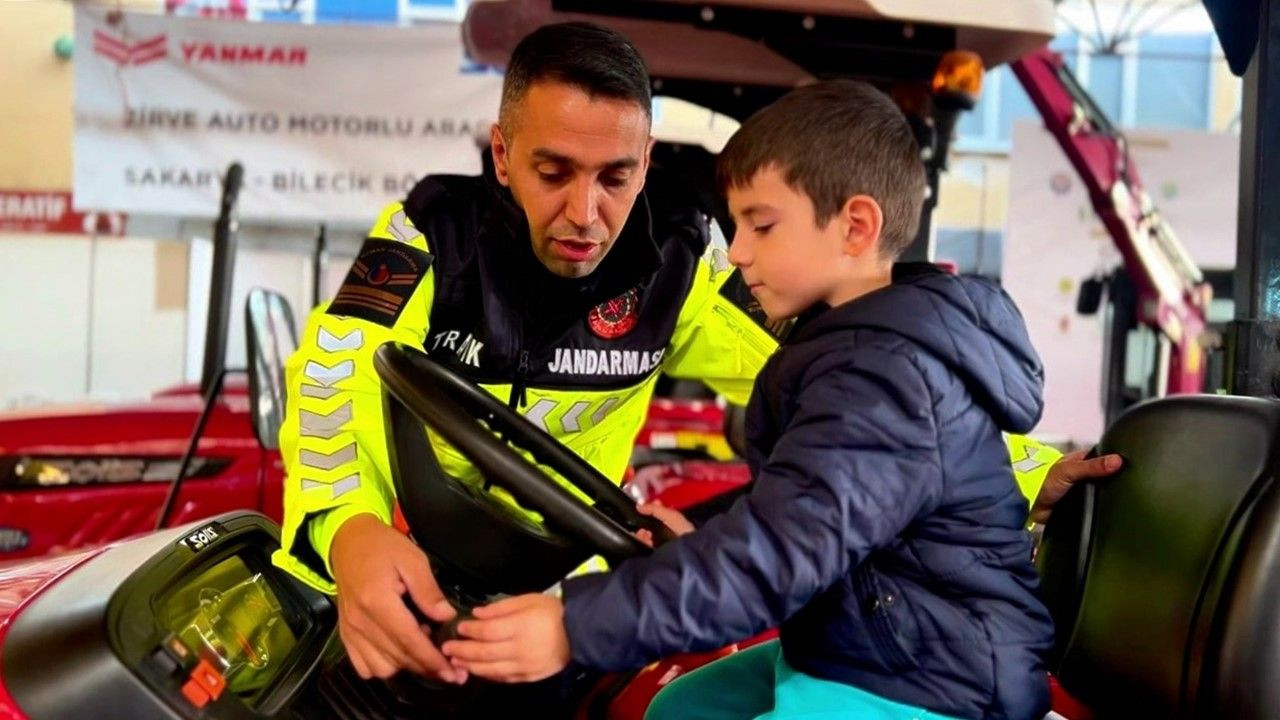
330,122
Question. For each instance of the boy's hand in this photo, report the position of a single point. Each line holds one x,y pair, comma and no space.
673,519
519,639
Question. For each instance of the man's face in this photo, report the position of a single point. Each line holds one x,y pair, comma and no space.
575,165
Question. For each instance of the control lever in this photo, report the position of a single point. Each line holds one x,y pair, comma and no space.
441,632
444,699
661,533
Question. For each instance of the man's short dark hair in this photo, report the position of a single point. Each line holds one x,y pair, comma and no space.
590,57
833,140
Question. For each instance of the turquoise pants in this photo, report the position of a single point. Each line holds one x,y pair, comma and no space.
757,684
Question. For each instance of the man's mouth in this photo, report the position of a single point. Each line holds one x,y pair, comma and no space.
574,250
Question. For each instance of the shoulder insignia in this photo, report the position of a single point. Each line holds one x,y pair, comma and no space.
383,278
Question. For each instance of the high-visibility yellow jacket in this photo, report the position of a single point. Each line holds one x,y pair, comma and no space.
451,270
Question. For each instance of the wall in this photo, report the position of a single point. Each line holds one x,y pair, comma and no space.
1055,241
89,318
36,94
276,258
35,97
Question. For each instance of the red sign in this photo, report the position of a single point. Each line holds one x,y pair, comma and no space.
122,51
241,54
50,212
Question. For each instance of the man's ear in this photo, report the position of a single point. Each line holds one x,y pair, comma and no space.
864,218
500,150
644,163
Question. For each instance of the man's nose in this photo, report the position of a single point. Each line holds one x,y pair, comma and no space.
583,208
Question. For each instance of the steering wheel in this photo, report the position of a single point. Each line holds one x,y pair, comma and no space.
481,545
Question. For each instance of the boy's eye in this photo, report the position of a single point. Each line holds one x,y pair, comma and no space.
762,229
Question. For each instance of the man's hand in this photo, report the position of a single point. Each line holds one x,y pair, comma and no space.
1064,474
374,566
673,519
519,639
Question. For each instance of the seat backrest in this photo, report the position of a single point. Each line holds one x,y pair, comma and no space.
1163,580
270,338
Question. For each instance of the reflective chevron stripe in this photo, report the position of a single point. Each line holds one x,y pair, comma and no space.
320,461
338,488
329,376
537,413
570,419
398,226
544,411
320,393
598,415
1029,462
327,425
329,342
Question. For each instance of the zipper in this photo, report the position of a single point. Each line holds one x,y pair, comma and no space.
520,385
519,397
751,335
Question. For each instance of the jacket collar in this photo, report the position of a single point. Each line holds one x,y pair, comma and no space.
820,317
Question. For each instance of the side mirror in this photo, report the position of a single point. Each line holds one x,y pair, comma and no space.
1090,297
270,338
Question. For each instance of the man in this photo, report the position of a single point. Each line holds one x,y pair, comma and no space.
554,282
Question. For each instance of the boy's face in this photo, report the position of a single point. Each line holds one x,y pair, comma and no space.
575,164
789,262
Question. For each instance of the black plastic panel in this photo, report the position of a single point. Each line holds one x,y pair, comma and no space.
93,644
1136,568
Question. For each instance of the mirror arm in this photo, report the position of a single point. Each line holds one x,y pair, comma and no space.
215,390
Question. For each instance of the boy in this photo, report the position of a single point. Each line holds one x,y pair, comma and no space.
884,531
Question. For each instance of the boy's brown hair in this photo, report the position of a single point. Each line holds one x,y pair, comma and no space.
833,140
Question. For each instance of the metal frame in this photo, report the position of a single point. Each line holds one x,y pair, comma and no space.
1172,295
222,273
1254,337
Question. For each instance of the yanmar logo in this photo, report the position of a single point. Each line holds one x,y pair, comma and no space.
122,52
240,54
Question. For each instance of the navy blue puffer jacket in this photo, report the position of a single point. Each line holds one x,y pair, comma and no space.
884,531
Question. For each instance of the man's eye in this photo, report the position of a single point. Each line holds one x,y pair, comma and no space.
551,177
613,181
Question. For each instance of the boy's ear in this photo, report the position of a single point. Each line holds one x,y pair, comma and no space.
865,220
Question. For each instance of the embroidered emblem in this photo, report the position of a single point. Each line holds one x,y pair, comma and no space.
614,318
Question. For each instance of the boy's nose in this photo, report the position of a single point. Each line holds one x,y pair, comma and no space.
739,252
